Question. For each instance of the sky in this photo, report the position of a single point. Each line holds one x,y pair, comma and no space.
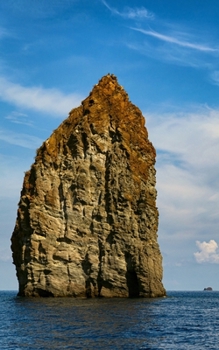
165,53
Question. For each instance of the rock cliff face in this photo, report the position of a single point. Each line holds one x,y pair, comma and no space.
87,219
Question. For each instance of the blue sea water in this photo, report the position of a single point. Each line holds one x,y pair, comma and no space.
182,320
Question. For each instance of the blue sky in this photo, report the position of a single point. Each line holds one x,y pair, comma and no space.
165,54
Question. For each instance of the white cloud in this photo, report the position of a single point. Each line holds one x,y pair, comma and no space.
208,252
189,138
131,13
50,101
175,40
187,173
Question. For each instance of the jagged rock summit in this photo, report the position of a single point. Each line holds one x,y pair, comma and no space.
87,219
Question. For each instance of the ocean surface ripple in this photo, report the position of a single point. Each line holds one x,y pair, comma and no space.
182,320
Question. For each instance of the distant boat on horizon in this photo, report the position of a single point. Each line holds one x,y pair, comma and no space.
208,289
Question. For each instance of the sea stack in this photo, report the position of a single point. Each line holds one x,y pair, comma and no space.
87,219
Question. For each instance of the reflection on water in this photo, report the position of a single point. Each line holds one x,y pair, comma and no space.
180,321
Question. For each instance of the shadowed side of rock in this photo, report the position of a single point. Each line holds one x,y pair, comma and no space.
87,219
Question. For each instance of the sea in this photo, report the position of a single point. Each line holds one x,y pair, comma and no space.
182,320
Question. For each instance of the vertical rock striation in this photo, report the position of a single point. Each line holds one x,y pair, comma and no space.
87,218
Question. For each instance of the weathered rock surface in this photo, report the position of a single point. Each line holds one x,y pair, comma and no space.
87,219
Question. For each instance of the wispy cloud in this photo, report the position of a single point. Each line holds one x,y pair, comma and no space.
168,53
19,118
19,139
208,252
168,42
176,41
51,101
130,13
